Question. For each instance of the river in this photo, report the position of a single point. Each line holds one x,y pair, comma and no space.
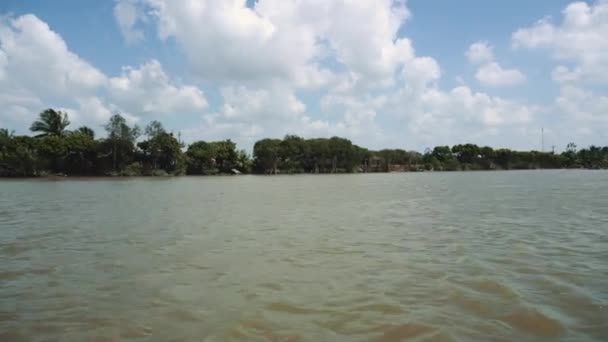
500,256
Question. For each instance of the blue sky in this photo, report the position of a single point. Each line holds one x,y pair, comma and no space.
382,73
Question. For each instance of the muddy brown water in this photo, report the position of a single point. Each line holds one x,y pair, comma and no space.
481,256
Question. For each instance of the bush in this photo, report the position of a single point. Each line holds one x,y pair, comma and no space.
132,170
451,165
159,173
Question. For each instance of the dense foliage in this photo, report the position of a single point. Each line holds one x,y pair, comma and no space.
297,155
55,150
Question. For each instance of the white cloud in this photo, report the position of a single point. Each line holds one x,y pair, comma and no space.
97,113
541,34
455,114
493,75
492,111
422,71
261,56
268,105
563,74
480,52
17,108
37,70
3,63
580,38
356,117
313,77
490,73
226,40
126,15
363,36
420,113
148,90
583,106
250,113
580,115
578,43
314,68
37,59
96,109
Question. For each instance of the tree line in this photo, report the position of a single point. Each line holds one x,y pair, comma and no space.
125,151
130,151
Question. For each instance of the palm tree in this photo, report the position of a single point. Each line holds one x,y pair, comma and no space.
84,130
51,122
5,133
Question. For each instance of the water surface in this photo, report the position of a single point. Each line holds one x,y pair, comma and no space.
500,256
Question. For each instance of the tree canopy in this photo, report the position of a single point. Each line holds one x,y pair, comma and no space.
50,122
122,152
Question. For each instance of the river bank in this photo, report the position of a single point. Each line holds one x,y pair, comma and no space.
123,152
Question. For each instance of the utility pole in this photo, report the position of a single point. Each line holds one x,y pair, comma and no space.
542,139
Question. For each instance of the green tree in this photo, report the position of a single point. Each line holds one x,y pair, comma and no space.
215,157
117,128
452,164
225,155
51,123
154,128
442,153
51,152
121,139
266,154
318,158
201,158
390,157
162,150
343,155
18,156
486,158
6,134
444,159
292,151
243,161
467,153
593,157
570,156
431,163
84,130
6,137
504,158
81,152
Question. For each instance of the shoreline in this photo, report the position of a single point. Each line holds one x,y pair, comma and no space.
84,177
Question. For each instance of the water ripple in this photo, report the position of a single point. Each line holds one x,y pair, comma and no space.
427,257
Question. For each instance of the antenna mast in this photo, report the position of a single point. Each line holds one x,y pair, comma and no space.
542,139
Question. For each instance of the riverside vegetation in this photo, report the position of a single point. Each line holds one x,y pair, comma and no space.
128,151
